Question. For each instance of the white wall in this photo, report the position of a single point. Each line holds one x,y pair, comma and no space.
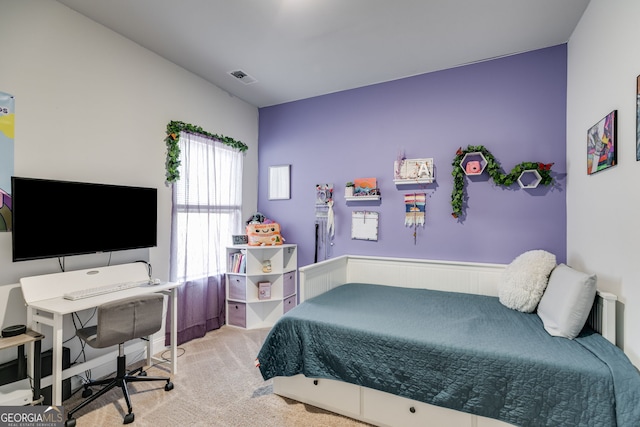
93,106
602,209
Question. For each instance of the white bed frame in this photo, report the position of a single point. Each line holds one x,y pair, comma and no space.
384,409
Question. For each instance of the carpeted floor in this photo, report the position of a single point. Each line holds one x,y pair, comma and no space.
217,385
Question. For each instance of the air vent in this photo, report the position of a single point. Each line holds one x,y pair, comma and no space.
243,77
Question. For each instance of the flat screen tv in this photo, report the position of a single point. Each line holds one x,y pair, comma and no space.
62,218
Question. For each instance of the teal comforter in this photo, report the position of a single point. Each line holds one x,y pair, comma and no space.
460,351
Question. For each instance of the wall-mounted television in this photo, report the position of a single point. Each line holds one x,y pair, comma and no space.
61,218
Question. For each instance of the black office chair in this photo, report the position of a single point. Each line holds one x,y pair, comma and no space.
118,322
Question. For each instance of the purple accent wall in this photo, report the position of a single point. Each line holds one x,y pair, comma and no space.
514,106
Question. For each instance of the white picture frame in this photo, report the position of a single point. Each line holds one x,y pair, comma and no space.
279,186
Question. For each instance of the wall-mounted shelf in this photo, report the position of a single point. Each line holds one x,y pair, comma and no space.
362,198
473,163
413,181
413,171
363,189
529,178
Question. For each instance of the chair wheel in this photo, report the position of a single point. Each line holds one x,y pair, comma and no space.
87,392
168,386
71,422
128,418
142,374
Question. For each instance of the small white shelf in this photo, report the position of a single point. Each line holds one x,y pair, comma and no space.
471,157
413,181
362,198
533,182
413,171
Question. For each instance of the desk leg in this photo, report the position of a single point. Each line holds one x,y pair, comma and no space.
30,323
31,359
37,369
173,300
56,369
22,366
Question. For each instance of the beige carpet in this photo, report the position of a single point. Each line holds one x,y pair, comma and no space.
217,385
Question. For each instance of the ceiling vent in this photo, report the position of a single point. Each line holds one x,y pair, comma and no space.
243,77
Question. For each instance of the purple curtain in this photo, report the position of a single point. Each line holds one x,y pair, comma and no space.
201,308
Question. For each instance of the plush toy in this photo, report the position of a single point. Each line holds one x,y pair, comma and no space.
264,234
256,218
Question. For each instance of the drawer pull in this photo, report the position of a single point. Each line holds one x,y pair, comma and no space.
412,410
315,382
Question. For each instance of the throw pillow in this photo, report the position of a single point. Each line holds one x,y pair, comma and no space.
566,303
525,279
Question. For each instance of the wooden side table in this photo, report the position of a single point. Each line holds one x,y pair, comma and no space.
19,341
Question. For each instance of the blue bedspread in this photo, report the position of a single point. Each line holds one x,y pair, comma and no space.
460,351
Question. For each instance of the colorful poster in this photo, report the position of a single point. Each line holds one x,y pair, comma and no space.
7,121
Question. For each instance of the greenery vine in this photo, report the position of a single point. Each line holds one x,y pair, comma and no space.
495,172
173,148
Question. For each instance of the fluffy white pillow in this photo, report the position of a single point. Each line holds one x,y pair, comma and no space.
566,303
525,279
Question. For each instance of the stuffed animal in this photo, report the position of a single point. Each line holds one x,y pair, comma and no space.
256,218
264,234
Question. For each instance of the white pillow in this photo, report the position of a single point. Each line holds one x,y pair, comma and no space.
524,280
566,303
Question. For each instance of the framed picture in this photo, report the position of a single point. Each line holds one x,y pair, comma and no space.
638,118
279,182
602,144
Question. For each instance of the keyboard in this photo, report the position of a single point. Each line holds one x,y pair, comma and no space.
101,290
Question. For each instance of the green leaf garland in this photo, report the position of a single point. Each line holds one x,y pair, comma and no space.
173,149
495,172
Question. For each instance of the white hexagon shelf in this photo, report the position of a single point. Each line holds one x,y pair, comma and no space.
473,163
529,178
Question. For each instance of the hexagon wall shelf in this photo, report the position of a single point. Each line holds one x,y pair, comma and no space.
473,163
529,179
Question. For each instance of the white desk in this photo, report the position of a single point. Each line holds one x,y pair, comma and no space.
46,306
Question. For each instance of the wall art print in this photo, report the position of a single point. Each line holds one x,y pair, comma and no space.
414,209
414,212
365,187
7,124
602,144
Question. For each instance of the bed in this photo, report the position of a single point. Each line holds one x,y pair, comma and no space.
414,342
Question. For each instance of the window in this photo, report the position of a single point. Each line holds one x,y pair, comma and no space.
207,201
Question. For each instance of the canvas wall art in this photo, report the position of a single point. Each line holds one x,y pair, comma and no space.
365,187
602,144
7,121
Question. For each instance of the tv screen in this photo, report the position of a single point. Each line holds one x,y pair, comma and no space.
61,218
